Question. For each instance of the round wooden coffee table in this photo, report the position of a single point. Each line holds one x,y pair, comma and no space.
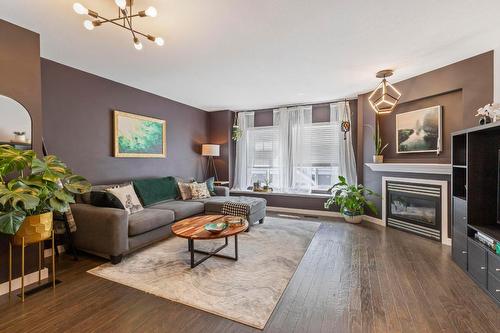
193,228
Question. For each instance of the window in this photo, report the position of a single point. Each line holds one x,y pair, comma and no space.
323,141
263,161
318,173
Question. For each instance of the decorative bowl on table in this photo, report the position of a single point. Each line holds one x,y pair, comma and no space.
216,227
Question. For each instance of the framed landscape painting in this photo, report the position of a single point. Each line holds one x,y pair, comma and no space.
419,131
139,136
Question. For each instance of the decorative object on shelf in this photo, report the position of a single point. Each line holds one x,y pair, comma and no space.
27,201
345,125
488,113
385,97
267,185
378,145
236,132
210,151
419,131
20,137
124,20
351,200
139,136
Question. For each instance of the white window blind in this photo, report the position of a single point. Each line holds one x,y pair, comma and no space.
263,141
323,140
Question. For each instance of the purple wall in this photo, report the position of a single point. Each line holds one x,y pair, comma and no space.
78,126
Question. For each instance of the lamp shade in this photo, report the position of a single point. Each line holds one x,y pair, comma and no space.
210,150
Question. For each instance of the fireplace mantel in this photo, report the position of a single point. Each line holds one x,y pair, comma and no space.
432,168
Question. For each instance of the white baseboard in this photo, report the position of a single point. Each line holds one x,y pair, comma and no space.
28,279
324,213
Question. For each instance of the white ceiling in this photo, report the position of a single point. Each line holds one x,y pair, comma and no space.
251,54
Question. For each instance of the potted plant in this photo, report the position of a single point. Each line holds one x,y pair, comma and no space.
379,147
30,190
20,136
351,200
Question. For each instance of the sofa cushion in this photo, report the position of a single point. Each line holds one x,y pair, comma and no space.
214,204
154,190
181,209
149,219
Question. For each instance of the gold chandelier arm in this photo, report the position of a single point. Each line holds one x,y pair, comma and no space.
113,21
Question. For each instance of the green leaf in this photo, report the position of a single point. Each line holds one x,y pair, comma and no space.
64,196
18,196
58,205
76,184
50,168
11,222
12,159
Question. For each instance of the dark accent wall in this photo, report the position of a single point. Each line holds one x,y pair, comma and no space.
78,126
461,88
20,80
220,124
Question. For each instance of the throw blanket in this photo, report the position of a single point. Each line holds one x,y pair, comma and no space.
235,209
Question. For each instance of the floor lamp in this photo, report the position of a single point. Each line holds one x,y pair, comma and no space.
210,151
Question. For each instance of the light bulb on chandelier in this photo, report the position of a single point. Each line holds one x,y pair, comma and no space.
88,25
137,44
80,9
151,12
121,3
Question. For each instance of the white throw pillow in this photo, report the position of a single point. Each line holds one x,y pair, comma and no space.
127,197
199,190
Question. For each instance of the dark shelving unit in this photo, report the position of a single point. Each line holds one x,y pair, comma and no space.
474,204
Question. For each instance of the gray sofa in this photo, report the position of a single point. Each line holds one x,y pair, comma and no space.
112,233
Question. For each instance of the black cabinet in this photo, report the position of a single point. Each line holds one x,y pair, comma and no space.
459,249
475,184
494,287
477,262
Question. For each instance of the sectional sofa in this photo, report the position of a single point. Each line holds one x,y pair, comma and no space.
112,233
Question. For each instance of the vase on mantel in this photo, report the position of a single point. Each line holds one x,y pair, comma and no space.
378,159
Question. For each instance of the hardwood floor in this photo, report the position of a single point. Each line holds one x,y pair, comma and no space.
353,278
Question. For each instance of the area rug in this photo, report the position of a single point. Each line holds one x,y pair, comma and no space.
245,291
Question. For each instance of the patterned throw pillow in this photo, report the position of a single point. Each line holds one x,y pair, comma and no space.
128,198
199,190
185,190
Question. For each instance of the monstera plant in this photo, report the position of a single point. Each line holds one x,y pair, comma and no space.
31,187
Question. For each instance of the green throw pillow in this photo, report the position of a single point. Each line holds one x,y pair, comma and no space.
210,185
154,190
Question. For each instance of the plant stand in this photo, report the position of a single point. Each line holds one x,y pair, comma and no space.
40,258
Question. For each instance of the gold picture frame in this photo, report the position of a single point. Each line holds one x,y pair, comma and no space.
138,136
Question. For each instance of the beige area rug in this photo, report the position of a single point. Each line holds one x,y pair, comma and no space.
245,291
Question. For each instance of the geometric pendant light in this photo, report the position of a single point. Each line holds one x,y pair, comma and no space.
385,97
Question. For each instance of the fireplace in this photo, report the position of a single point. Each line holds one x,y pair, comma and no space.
416,206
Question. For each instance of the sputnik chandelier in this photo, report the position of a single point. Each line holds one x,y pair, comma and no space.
124,20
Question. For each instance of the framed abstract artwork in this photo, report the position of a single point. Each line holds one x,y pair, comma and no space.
139,136
419,131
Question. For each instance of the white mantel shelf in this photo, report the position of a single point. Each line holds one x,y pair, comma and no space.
432,168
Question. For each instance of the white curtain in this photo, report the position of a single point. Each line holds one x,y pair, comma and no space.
244,154
293,152
347,162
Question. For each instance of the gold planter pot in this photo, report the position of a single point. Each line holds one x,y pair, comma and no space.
35,229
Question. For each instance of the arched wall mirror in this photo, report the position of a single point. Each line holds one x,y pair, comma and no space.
15,124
